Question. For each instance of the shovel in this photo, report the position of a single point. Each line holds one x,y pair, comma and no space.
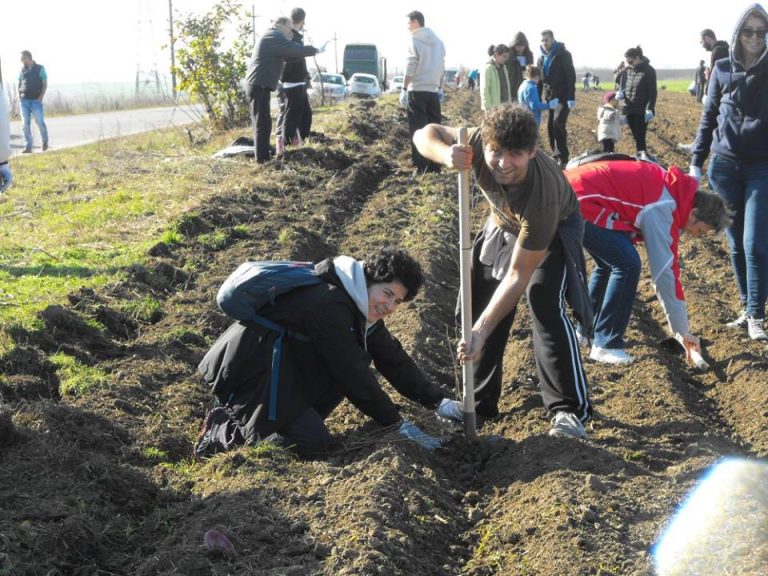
465,265
675,344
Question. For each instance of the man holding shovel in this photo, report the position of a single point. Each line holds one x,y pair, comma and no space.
625,202
531,243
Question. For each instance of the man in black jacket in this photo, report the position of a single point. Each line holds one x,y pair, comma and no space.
718,48
558,80
264,70
295,119
338,329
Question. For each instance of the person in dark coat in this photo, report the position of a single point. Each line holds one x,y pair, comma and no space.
520,56
638,91
342,330
294,121
733,132
718,49
700,80
264,70
558,81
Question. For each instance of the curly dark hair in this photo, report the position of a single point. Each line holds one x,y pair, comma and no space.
510,127
392,264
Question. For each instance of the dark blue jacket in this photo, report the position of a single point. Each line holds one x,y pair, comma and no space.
734,123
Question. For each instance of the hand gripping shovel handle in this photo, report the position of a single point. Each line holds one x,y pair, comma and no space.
465,261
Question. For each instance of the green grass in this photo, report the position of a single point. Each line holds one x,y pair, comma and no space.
679,85
146,309
78,217
75,378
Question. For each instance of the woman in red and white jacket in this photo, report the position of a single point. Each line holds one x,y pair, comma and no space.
625,202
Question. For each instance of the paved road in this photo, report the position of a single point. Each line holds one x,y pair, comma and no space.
69,131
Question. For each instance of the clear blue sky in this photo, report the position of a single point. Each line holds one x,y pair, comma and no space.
107,40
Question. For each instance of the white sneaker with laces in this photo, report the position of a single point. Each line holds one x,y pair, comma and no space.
756,329
450,411
740,322
566,424
610,355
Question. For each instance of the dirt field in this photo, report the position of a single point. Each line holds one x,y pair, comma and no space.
102,483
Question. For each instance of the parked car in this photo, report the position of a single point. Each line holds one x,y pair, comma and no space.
361,84
397,84
334,86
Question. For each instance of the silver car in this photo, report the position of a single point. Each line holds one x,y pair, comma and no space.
333,85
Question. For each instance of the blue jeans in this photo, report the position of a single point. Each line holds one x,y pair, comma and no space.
613,284
33,108
744,187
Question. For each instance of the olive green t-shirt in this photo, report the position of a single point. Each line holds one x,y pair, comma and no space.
536,207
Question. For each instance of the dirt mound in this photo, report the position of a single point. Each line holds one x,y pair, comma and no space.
100,481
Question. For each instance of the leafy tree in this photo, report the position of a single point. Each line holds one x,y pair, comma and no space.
208,71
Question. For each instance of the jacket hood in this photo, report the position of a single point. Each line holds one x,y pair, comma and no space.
519,38
683,189
426,36
735,50
352,277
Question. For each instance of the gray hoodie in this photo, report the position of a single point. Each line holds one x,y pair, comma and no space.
426,61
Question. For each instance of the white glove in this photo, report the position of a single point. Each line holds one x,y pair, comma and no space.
322,48
554,103
695,172
440,95
6,178
619,95
404,98
648,116
415,434
450,410
571,104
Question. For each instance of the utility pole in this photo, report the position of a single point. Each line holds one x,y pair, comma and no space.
173,51
336,52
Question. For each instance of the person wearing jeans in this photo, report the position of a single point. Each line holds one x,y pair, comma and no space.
624,202
744,187
734,128
33,83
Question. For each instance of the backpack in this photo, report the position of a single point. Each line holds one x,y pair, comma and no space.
256,285
250,288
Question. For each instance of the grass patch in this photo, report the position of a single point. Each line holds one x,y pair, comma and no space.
75,378
146,309
216,240
680,85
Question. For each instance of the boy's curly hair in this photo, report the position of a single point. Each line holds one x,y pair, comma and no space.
510,127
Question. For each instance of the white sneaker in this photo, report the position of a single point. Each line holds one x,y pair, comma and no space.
756,329
610,355
740,322
450,411
566,424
